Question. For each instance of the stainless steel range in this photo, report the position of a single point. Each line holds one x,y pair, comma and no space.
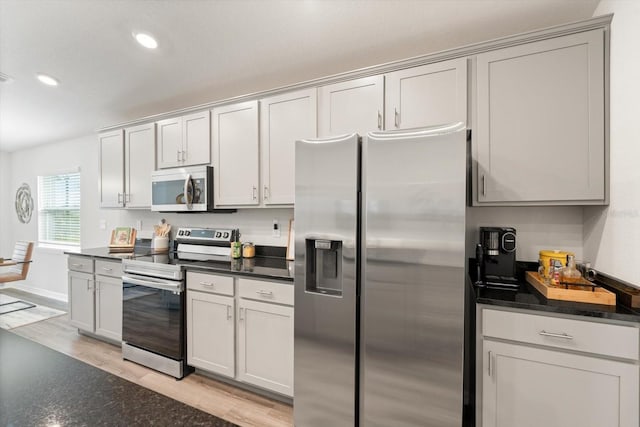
154,298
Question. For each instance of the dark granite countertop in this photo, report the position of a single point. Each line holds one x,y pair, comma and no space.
105,254
258,267
527,297
40,386
263,267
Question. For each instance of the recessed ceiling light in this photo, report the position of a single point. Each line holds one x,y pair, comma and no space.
48,80
146,40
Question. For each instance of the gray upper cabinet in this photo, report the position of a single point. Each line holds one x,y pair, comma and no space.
126,163
236,157
184,141
351,106
111,169
140,162
540,128
428,95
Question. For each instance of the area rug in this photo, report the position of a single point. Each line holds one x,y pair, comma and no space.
29,313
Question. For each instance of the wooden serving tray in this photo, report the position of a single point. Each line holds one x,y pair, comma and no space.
577,293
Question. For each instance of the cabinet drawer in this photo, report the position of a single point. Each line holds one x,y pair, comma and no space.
212,283
109,268
266,291
80,263
591,337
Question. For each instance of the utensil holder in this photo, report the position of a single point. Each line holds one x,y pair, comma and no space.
161,243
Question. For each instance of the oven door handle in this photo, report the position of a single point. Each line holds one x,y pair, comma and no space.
154,283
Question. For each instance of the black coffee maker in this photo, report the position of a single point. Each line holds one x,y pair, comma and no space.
496,256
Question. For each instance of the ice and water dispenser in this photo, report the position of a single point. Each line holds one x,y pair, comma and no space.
324,267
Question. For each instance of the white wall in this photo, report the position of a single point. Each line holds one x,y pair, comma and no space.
612,234
48,273
6,199
537,228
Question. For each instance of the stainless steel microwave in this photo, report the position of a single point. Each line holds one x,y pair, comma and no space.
183,190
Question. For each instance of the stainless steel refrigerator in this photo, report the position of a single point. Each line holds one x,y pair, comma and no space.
380,278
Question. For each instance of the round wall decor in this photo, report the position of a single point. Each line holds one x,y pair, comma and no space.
24,203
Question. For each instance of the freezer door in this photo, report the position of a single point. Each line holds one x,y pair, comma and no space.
326,221
412,303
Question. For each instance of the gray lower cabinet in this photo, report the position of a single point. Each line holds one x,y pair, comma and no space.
539,129
242,329
95,296
81,308
108,296
556,372
211,323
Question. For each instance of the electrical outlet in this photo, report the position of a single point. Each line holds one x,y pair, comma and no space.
102,225
276,229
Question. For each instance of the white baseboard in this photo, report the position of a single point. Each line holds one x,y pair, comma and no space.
39,291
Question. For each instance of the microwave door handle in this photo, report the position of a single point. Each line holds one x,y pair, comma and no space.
188,191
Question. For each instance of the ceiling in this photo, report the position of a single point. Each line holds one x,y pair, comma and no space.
215,49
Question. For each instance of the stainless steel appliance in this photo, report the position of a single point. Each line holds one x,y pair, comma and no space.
154,298
498,264
380,279
183,190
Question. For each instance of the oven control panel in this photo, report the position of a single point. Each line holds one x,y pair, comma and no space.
204,235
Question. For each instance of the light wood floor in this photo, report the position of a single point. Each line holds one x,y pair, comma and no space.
217,398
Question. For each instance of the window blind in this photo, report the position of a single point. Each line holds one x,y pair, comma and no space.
59,209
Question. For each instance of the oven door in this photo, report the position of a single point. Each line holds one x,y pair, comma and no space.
153,315
180,190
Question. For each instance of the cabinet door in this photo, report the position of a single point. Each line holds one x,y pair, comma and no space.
111,170
265,347
429,95
540,128
109,307
196,139
140,161
81,308
210,332
353,106
283,120
531,387
235,154
169,146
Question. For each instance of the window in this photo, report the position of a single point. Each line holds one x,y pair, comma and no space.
59,209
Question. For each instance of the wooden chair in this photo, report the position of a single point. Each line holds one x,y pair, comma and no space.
17,267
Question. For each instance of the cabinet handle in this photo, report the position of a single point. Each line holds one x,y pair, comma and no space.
255,193
395,117
379,120
483,186
183,155
241,313
555,335
77,265
178,155
127,198
264,293
490,364
107,269
266,192
209,284
228,312
120,198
